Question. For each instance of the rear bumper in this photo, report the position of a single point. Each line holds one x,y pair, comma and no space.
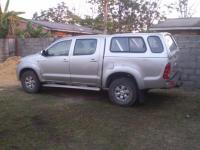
175,81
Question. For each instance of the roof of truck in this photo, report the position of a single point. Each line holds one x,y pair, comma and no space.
139,34
114,35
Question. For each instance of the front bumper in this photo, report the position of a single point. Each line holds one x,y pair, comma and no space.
18,71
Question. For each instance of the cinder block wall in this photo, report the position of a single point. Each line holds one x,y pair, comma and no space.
1,50
189,55
32,45
189,59
7,48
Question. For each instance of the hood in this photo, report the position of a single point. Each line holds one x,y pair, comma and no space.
31,57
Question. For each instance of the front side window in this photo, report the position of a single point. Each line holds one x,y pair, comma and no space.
85,46
170,43
60,49
155,44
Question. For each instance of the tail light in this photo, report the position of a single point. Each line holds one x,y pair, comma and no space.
166,74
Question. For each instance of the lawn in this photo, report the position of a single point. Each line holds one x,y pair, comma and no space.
58,119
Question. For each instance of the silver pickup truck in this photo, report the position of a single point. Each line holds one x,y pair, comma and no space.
124,64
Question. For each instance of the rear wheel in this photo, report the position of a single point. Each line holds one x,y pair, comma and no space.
123,91
30,82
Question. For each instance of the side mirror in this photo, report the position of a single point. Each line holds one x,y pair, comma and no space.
44,53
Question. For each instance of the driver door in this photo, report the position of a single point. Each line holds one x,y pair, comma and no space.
55,65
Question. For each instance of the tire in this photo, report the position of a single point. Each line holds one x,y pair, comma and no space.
146,91
30,82
123,92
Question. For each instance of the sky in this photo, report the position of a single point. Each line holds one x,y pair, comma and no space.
32,6
81,7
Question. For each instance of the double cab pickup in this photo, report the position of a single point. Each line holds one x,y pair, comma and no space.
125,65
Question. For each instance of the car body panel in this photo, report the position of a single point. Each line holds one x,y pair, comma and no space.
86,69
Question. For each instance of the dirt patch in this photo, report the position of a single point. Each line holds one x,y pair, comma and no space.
8,72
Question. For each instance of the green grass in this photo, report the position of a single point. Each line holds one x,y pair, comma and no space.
58,119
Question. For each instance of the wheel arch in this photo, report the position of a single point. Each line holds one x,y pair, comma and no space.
117,75
28,69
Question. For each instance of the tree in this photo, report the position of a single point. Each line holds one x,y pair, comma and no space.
33,32
8,21
129,15
184,9
60,14
94,23
122,15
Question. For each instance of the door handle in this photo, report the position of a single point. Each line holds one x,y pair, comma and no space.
65,60
93,60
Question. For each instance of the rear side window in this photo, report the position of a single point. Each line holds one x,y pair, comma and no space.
85,46
128,44
119,44
155,44
137,45
170,43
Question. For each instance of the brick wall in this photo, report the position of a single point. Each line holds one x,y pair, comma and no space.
189,59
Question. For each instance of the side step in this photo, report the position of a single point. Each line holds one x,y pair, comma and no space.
72,87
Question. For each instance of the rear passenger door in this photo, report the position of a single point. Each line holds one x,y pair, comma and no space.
84,62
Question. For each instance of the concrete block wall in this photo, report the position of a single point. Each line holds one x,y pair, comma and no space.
7,48
32,45
189,59
189,55
1,50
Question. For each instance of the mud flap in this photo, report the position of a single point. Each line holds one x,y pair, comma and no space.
141,96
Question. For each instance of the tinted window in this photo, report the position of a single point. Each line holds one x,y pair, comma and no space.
128,44
137,45
60,49
119,44
170,43
155,44
85,47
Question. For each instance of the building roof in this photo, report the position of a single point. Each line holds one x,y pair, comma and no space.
73,28
177,24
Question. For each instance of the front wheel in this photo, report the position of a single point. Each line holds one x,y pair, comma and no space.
30,82
123,91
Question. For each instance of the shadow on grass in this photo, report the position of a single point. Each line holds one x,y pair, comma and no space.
76,93
154,98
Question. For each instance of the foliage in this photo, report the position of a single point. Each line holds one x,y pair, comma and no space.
33,32
184,9
8,21
60,14
123,15
94,23
129,15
